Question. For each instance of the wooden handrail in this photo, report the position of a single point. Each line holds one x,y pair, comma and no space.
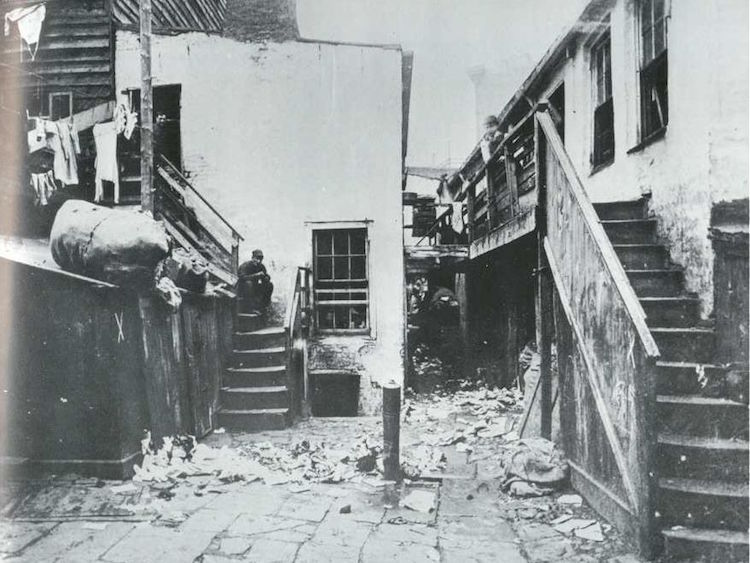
603,244
174,169
435,224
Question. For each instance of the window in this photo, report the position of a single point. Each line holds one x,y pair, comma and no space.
654,104
60,105
340,277
604,115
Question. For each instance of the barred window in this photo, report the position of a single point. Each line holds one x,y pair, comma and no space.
341,279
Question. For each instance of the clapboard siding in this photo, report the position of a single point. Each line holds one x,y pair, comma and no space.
75,54
205,15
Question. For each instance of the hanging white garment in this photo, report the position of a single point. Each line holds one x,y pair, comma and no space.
66,165
457,217
29,21
105,137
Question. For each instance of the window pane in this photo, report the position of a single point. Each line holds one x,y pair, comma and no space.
324,243
340,242
358,242
648,47
325,317
659,38
325,268
358,267
359,316
645,14
341,318
341,267
658,9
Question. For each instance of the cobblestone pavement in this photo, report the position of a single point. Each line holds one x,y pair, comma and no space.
77,520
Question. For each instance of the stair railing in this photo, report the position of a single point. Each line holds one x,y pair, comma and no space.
194,223
296,329
606,353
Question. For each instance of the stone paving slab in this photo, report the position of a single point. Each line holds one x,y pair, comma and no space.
162,545
15,536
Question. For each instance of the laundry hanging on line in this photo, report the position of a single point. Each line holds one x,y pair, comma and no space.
62,138
29,21
105,137
43,186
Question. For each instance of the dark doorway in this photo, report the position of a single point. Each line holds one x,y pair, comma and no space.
557,109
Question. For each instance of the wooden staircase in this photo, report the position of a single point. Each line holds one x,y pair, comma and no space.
702,451
255,396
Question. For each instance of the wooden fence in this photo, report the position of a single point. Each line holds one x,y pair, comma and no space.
88,367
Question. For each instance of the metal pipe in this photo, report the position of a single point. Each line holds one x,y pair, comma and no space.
391,431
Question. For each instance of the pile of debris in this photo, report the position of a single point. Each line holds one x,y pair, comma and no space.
304,461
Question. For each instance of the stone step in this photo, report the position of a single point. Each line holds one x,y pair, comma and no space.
250,398
685,344
656,283
619,210
692,457
262,357
268,337
702,544
682,378
671,311
705,417
631,231
248,322
255,377
255,420
703,503
642,256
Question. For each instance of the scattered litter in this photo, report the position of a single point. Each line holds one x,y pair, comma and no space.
298,488
94,525
561,519
463,447
63,400
420,501
397,520
221,430
346,509
574,500
573,524
591,533
124,488
536,462
524,489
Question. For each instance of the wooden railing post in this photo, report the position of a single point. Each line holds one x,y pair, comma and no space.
235,254
512,180
470,197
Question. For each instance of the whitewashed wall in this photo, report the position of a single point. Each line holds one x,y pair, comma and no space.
703,158
279,134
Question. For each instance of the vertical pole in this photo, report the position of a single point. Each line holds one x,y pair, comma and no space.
147,120
462,296
470,197
391,430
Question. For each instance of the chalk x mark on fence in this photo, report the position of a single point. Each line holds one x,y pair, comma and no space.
120,334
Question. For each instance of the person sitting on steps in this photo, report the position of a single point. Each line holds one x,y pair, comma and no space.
254,286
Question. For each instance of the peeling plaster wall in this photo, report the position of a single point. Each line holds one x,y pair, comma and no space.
279,134
703,158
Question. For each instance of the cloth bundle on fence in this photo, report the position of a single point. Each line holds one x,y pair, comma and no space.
187,270
534,467
116,246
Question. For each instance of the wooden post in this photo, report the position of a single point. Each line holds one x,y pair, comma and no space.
470,197
512,181
391,431
147,119
462,295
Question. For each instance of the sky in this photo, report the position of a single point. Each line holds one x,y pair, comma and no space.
448,37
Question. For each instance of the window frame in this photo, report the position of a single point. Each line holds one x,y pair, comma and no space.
653,69
601,104
362,284
51,96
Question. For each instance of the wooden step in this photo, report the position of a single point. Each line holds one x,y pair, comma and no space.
631,231
642,256
261,357
671,311
685,344
619,210
250,398
698,416
249,322
701,544
682,378
703,503
692,457
656,283
264,338
255,420
255,377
